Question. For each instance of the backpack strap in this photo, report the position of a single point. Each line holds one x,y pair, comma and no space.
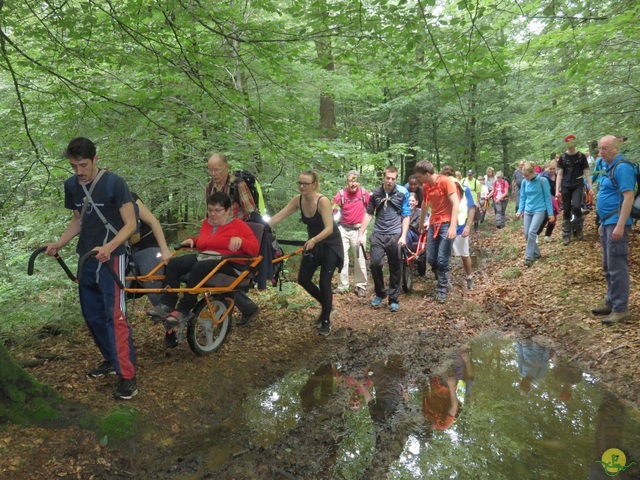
88,193
611,176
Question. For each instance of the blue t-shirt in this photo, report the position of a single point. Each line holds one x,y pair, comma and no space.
110,194
470,203
609,198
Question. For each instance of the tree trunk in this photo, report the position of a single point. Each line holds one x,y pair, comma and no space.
22,398
505,153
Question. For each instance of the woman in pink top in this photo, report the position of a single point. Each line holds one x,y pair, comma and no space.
500,198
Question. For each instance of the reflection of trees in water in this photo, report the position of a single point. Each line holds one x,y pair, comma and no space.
500,431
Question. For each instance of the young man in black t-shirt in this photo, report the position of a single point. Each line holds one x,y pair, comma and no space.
573,169
101,300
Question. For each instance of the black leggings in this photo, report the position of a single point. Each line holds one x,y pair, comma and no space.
328,263
572,202
550,227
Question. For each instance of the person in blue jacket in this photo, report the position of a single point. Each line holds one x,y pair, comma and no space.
535,206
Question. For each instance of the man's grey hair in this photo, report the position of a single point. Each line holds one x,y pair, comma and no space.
354,173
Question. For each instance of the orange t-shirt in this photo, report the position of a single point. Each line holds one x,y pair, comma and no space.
438,195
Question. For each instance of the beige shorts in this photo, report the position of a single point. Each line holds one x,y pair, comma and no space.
460,247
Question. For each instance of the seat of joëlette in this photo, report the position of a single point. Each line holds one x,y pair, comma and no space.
224,280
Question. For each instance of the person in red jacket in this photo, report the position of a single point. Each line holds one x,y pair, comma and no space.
219,233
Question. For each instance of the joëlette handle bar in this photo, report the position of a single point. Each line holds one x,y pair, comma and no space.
38,251
91,254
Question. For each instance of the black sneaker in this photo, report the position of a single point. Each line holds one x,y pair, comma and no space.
126,389
245,319
102,370
170,339
325,328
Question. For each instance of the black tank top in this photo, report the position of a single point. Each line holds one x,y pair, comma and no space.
315,225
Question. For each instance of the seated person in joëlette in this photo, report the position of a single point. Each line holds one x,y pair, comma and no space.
219,233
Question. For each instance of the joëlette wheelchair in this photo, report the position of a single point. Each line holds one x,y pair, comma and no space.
412,261
210,322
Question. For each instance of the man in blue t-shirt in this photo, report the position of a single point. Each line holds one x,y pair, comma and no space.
390,204
104,218
614,206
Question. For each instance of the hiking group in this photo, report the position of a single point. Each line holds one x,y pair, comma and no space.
443,206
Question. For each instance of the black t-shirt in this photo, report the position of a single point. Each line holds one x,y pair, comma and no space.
573,166
110,194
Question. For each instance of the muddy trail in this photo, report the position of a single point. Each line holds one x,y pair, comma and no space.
197,415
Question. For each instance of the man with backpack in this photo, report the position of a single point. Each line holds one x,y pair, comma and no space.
442,197
476,189
573,169
242,201
615,202
390,204
352,202
104,218
243,206
466,214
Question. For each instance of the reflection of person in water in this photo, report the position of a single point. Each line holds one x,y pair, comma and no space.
441,404
386,407
568,375
610,429
533,363
319,387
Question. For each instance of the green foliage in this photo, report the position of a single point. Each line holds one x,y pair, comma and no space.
121,423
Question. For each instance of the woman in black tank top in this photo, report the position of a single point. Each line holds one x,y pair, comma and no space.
324,247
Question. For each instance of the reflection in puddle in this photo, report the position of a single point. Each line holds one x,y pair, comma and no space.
498,408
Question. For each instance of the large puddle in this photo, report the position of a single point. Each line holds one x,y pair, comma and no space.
498,409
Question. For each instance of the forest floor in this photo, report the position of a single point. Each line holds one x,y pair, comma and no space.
185,397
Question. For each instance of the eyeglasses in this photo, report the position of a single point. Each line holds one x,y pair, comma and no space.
353,180
304,184
217,211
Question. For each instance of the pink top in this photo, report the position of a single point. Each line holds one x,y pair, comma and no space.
353,205
500,190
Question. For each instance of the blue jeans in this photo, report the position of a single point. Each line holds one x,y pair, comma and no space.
438,254
532,222
615,263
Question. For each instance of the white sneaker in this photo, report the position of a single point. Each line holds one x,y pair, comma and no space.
547,239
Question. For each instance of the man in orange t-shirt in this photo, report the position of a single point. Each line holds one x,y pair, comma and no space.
440,195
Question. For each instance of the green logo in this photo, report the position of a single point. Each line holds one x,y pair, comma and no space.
614,461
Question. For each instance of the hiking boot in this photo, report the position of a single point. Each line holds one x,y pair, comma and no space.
566,240
126,389
580,235
528,263
102,370
441,297
394,307
470,284
616,317
245,319
547,239
340,290
331,315
376,301
603,310
170,339
325,328
362,292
